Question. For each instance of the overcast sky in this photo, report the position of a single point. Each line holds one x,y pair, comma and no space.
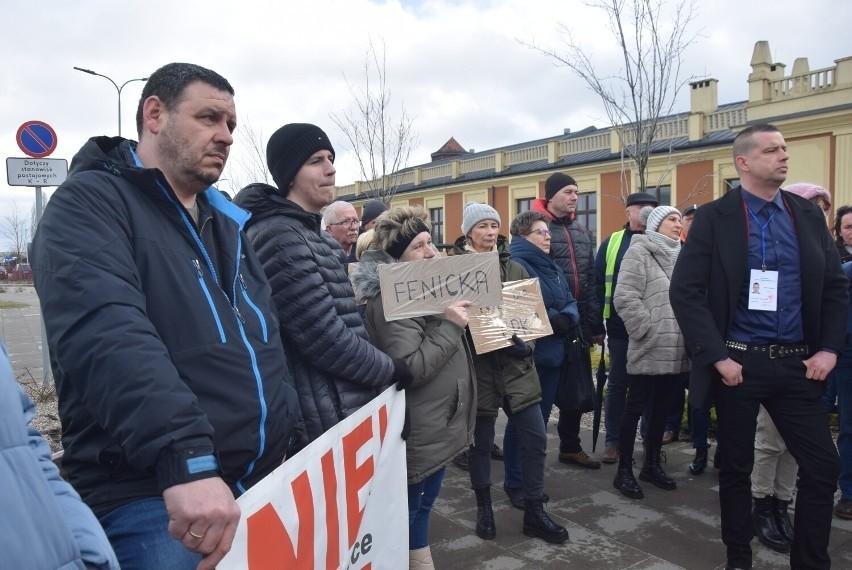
457,65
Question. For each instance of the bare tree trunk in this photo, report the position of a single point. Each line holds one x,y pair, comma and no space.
381,142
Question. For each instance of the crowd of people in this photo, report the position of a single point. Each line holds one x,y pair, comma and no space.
197,342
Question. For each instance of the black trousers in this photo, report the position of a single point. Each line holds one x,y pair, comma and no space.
795,405
656,391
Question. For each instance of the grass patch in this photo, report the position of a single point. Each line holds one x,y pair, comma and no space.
12,305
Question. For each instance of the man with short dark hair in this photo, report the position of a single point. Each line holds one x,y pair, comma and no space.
607,264
773,349
573,249
174,390
336,368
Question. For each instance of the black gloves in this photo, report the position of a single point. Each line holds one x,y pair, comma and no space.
402,374
561,324
406,425
519,349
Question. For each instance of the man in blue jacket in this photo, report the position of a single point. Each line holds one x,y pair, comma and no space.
174,391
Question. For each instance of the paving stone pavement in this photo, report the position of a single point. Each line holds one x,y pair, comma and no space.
665,530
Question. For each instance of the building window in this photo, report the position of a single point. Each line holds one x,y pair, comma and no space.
730,184
665,195
587,213
437,217
523,205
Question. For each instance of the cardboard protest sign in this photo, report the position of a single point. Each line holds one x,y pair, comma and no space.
427,287
522,312
339,503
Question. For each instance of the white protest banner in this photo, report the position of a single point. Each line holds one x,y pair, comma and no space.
342,502
522,312
427,287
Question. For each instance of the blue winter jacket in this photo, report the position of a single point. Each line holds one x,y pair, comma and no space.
45,524
549,350
163,337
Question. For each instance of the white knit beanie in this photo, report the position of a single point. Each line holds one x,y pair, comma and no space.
656,216
474,213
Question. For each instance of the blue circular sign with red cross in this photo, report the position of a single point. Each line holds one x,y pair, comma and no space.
36,139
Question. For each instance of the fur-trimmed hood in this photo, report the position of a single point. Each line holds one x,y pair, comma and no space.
365,278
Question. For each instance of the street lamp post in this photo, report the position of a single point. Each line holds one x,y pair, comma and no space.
117,88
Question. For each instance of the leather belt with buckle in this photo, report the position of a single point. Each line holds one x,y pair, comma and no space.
770,350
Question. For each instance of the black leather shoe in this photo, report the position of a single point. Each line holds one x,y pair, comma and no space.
654,474
765,527
485,528
539,525
700,462
782,518
496,452
624,480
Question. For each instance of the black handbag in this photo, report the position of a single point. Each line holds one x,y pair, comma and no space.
576,390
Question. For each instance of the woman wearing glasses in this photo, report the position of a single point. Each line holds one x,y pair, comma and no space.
530,248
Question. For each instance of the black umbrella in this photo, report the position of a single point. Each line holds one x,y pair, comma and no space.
600,377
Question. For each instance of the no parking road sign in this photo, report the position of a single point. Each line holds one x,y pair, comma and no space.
36,139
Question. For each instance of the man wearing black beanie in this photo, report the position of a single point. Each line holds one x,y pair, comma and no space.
573,249
336,368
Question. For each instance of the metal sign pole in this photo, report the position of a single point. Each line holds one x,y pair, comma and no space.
45,355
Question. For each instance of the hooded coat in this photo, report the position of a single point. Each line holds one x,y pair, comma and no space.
163,337
335,367
549,350
501,378
655,345
440,401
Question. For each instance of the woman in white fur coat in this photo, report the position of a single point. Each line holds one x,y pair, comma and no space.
656,353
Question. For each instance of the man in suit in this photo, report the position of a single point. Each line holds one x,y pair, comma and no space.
774,348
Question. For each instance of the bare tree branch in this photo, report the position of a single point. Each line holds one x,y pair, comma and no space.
16,230
250,167
382,143
652,42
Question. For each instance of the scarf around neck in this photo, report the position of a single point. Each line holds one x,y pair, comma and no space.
669,245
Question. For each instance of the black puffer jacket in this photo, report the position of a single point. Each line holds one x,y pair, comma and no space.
163,342
336,368
573,250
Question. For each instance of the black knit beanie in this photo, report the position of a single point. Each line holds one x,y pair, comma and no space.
556,182
289,148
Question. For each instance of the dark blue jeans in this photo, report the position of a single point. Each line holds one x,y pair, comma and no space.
421,497
616,388
700,427
530,438
139,534
548,377
842,377
675,418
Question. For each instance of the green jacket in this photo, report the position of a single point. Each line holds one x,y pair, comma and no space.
441,398
502,379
